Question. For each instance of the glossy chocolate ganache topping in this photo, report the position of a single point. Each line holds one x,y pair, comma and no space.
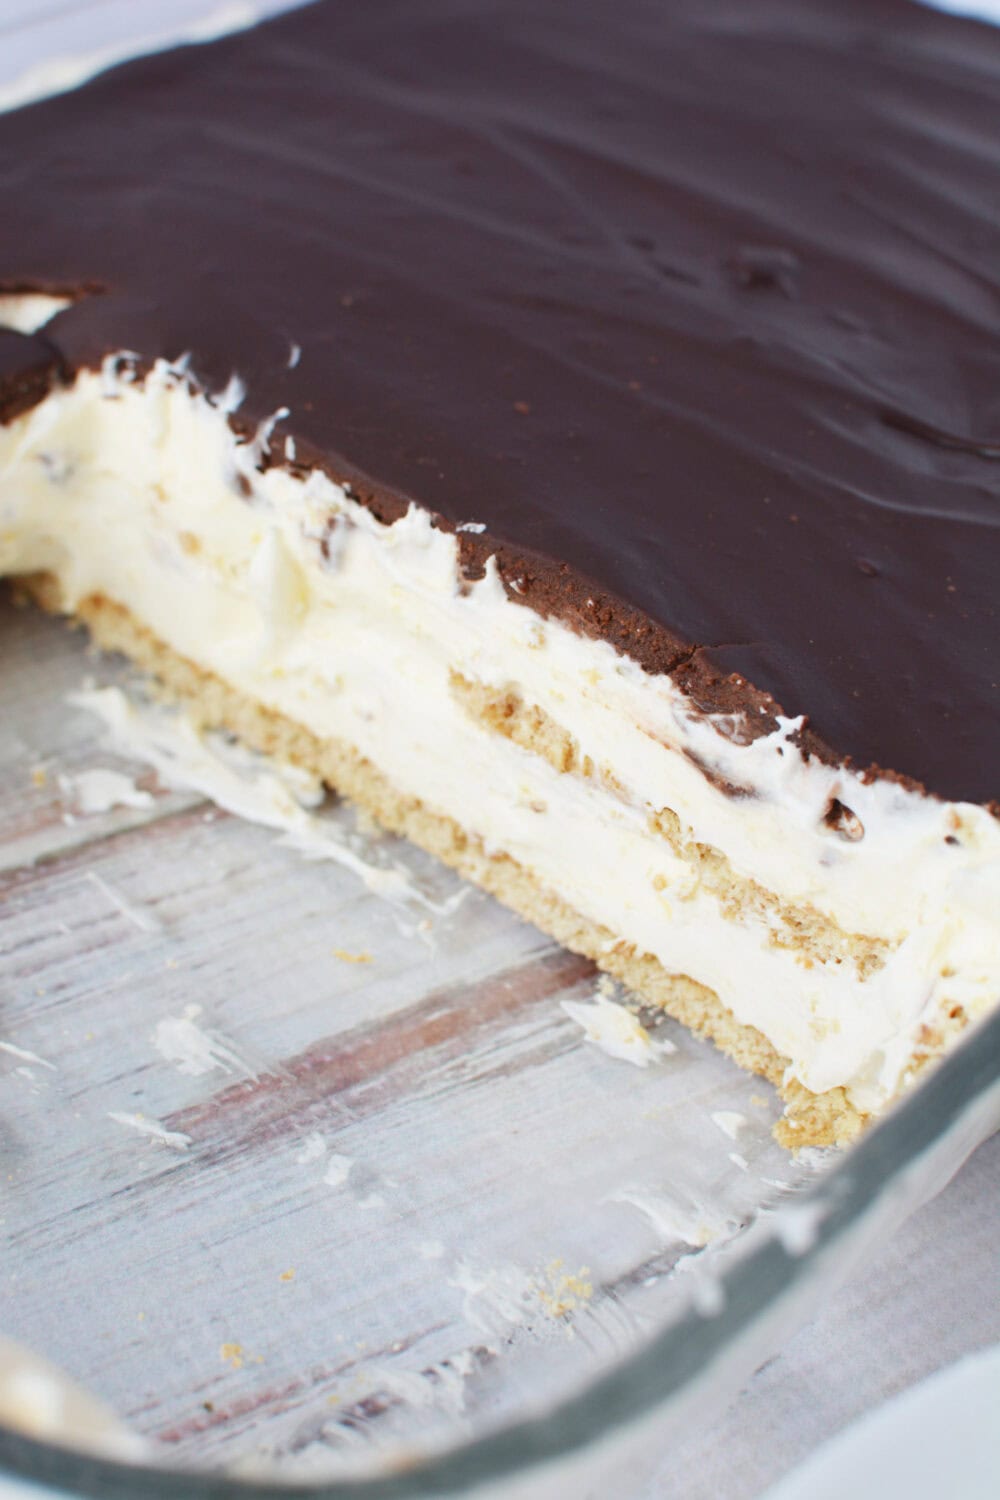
696,307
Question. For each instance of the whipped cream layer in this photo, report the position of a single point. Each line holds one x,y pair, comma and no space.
292,591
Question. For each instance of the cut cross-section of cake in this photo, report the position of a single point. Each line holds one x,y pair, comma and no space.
572,435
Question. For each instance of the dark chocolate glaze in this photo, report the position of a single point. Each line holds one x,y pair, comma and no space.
29,364
697,307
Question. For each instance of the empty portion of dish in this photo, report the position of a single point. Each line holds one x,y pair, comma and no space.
830,932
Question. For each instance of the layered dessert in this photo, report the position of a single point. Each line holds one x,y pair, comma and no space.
572,433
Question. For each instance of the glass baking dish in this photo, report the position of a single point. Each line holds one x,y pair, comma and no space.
323,1192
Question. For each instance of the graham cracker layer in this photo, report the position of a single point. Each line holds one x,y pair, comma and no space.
811,936
809,1119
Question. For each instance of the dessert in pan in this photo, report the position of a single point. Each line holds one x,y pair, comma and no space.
572,432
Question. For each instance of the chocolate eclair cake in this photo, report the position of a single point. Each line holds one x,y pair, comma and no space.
572,431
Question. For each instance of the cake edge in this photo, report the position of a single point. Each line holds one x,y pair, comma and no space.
809,1119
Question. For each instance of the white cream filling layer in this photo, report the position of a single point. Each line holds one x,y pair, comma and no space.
296,595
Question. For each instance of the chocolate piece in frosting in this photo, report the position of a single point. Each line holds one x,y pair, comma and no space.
697,308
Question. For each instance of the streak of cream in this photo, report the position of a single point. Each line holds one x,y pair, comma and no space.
675,1219
797,1226
617,1031
495,1299
338,1170
499,1299
175,1139
313,1149
428,929
181,1041
99,791
261,791
26,1056
139,916
729,1122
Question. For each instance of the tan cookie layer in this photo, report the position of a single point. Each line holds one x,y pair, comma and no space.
810,1119
813,937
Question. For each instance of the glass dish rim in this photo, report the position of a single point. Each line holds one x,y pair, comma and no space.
757,1282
